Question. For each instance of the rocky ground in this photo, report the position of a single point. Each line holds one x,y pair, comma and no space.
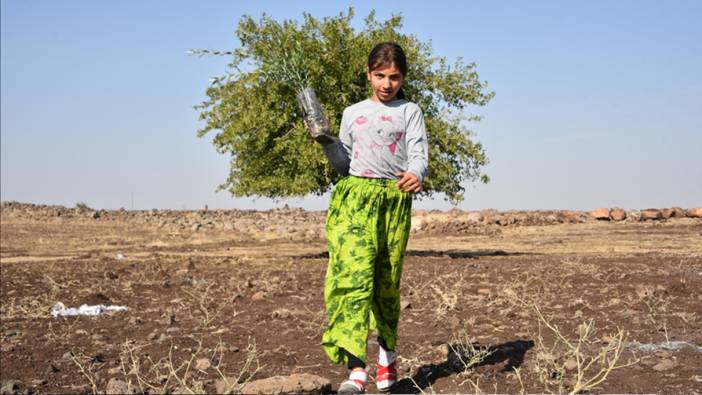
225,301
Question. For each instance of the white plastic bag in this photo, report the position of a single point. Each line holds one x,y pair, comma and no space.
59,309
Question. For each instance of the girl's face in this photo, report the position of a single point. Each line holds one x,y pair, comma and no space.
385,82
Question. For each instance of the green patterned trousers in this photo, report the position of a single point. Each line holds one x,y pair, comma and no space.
368,224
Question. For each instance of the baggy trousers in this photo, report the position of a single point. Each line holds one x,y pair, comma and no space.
368,224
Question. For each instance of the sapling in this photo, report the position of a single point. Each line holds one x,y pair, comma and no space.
289,69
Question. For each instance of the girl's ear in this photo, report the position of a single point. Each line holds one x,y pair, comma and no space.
368,74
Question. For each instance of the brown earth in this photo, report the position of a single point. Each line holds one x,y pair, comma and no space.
220,298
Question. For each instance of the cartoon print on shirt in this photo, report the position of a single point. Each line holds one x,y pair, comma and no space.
385,132
373,135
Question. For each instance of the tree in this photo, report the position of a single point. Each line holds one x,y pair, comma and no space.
254,113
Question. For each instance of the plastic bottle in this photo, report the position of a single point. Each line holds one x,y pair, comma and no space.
317,122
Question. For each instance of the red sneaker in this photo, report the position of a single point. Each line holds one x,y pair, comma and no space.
356,383
385,377
352,387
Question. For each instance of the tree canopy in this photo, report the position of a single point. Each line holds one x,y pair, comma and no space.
254,115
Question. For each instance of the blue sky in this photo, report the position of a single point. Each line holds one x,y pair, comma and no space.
597,102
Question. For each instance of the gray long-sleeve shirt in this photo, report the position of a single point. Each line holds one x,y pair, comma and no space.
382,139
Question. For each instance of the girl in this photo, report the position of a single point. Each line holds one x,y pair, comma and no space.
382,150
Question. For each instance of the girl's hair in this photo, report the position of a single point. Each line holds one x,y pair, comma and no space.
384,55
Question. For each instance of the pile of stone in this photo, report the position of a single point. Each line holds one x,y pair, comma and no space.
296,223
649,214
292,223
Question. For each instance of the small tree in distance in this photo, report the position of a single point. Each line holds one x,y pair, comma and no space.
254,113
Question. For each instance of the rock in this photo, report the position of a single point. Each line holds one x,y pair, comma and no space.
474,217
617,214
117,386
454,322
507,219
225,387
181,390
484,291
666,213
650,213
405,305
168,320
111,275
196,227
115,370
570,364
600,213
80,388
694,212
663,365
678,212
572,217
260,295
38,382
444,350
418,225
634,215
203,364
99,357
10,387
303,383
551,219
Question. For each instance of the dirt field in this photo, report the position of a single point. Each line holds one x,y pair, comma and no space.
539,303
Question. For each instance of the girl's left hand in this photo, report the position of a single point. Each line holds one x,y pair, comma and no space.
408,182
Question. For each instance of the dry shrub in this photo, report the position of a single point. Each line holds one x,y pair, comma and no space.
171,374
464,352
656,300
567,365
444,290
36,305
580,365
207,305
87,367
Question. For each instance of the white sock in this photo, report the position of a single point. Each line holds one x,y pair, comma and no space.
359,374
385,357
